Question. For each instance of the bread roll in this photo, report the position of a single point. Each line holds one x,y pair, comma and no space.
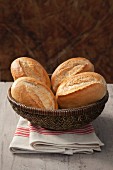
31,92
80,90
28,67
69,67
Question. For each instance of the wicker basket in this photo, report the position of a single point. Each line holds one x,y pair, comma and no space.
61,119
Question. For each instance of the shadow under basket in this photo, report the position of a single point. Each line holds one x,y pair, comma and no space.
60,119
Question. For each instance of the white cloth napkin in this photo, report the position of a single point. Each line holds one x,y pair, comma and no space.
28,139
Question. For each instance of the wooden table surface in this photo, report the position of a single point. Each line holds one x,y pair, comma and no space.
98,161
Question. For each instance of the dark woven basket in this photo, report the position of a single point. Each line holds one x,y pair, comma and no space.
61,119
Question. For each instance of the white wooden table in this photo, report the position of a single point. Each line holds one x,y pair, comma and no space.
98,161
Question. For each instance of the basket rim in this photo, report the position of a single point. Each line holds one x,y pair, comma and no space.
56,111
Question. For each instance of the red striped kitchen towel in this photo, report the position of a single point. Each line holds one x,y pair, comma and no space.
28,139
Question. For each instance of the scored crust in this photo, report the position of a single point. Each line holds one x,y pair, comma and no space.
28,67
33,93
81,89
68,68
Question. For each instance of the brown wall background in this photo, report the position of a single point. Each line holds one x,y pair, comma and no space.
52,31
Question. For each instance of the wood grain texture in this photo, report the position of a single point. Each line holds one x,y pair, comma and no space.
52,31
98,161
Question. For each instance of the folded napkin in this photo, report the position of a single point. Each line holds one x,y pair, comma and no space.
28,139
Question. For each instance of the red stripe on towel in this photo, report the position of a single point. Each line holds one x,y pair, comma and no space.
88,129
21,131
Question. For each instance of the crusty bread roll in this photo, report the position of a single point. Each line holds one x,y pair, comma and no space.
28,67
80,90
69,67
33,93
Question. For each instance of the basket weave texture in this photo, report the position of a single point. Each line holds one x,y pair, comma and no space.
61,119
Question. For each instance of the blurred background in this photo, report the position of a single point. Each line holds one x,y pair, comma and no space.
52,31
